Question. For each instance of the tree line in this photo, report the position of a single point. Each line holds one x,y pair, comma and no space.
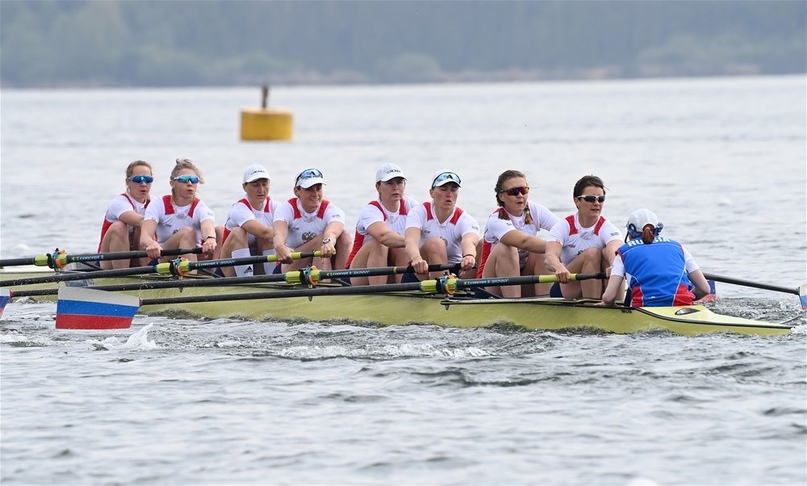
209,43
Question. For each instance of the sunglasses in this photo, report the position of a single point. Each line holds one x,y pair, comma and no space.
308,174
446,176
590,199
184,179
515,191
141,179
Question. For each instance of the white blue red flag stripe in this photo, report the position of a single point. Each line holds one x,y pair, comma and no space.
83,308
5,297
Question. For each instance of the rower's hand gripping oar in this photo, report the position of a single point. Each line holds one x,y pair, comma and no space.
79,308
59,258
800,291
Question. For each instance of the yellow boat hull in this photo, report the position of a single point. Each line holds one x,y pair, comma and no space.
401,308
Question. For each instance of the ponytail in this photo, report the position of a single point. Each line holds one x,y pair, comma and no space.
648,234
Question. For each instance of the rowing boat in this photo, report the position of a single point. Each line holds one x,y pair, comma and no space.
334,303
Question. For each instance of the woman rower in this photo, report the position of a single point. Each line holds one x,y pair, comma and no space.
248,230
438,232
124,216
660,272
584,242
510,245
379,239
307,222
180,219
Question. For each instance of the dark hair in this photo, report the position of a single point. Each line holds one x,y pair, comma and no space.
506,176
585,181
648,234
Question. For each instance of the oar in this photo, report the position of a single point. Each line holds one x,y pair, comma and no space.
801,291
59,259
86,308
293,277
177,268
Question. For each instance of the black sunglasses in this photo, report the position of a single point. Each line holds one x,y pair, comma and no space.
590,198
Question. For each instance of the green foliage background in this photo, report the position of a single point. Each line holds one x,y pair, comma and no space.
199,43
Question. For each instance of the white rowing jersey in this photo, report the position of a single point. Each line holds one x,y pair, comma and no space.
122,203
496,228
451,230
242,212
574,239
171,218
305,226
375,212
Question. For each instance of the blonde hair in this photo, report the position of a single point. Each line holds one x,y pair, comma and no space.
183,163
130,168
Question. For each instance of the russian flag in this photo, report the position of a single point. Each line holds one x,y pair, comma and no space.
5,297
83,308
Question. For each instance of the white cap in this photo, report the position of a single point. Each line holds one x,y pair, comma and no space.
255,172
308,178
444,177
388,171
641,218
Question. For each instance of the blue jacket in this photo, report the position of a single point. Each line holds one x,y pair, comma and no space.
657,271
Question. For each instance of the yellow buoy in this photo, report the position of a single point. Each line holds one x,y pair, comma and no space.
266,124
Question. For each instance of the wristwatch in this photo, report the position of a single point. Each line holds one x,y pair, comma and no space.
326,241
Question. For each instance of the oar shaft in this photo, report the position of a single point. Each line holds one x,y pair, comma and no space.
165,268
64,259
277,294
291,276
426,286
231,262
748,283
126,255
73,276
13,262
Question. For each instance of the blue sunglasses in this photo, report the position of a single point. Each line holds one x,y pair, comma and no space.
141,179
447,176
184,179
308,174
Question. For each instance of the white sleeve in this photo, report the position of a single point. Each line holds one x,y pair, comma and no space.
202,213
690,264
284,212
117,207
333,213
467,224
238,215
618,268
416,217
497,228
368,216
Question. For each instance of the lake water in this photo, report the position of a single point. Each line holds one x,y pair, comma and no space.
723,162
